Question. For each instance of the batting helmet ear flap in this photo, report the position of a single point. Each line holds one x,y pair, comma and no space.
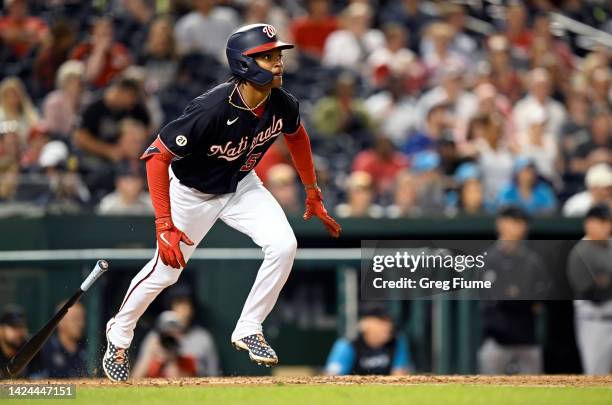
245,67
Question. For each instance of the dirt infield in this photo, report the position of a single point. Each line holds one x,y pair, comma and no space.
528,381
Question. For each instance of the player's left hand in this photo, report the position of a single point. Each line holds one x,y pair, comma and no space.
314,206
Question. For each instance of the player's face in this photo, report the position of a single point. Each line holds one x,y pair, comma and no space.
273,62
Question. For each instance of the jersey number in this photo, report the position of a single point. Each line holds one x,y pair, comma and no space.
250,162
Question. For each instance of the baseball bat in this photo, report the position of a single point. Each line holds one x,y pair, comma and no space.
32,346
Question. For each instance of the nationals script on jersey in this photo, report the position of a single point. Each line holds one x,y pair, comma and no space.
217,144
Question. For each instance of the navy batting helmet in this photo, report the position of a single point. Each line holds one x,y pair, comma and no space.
247,41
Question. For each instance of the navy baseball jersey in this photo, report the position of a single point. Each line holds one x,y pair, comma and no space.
217,144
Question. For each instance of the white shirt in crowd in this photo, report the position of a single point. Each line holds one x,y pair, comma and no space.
554,111
396,119
496,164
206,33
343,49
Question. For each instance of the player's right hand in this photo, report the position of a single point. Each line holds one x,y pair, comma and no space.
169,238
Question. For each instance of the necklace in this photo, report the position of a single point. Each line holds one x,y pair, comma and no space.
229,99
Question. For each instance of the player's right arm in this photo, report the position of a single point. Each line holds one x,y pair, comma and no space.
175,140
158,159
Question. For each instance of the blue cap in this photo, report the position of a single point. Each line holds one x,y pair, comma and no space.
522,162
425,161
466,171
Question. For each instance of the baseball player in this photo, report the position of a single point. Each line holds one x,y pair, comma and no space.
199,170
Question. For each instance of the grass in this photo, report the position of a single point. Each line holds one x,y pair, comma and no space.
337,394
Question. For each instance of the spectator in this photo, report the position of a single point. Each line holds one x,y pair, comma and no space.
486,144
54,51
20,31
65,353
539,85
132,140
13,334
281,183
430,182
61,106
15,105
258,11
504,66
206,28
351,46
10,145
148,98
65,189
360,198
575,130
377,349
196,347
405,198
311,31
393,110
159,55
543,38
462,104
540,146
600,82
463,44
598,148
129,197
103,57
382,163
490,101
412,15
527,190
439,53
598,181
342,112
395,60
438,125
98,133
509,327
38,137
590,276
160,356
10,152
469,198
516,30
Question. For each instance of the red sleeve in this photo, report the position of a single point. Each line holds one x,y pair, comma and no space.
158,158
80,52
298,144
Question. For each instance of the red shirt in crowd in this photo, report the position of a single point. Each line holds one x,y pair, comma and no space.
29,31
310,35
115,60
383,172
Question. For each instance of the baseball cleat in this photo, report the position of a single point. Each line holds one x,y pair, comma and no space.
115,363
259,350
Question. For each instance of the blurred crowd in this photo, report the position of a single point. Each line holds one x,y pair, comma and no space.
415,108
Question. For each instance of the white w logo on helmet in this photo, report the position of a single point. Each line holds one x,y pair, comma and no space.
269,30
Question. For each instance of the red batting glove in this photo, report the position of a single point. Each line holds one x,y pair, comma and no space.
168,240
314,206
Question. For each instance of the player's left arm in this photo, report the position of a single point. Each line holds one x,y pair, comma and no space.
298,144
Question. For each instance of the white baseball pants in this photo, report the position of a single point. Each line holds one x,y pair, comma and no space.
253,211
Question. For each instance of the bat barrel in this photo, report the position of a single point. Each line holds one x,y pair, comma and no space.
32,346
